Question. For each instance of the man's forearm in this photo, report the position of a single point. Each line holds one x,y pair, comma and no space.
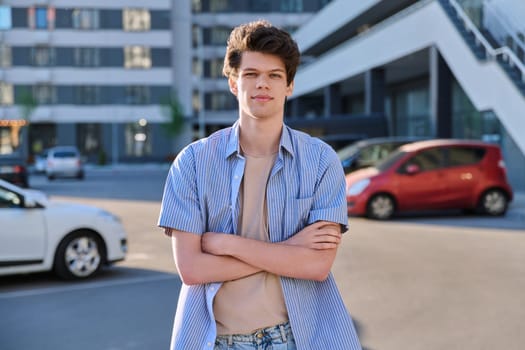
279,258
198,267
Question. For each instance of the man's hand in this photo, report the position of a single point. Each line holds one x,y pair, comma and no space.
215,243
319,235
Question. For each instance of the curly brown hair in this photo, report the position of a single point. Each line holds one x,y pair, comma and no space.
261,36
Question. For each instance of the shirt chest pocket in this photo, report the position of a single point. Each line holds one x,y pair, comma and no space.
219,215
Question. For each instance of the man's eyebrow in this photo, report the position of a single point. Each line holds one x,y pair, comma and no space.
257,70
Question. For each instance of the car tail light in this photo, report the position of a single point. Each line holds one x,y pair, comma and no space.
19,169
501,164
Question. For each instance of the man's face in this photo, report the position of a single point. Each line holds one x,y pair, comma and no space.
260,86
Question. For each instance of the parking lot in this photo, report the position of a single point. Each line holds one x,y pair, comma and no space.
417,282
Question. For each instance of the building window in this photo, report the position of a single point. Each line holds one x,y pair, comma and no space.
196,36
137,57
196,101
219,35
196,67
291,6
261,5
6,94
218,5
216,66
41,17
5,18
86,95
196,5
138,139
5,56
43,56
89,136
137,95
136,20
87,57
85,19
44,94
220,101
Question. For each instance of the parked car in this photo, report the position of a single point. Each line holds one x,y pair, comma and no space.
38,234
369,152
64,161
434,174
13,168
41,162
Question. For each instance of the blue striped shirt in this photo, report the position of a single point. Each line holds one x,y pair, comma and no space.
306,185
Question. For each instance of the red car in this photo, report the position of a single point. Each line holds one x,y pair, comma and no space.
434,174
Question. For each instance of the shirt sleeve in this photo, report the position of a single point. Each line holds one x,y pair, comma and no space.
330,195
180,207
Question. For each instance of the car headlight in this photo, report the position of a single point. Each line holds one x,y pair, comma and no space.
108,216
358,187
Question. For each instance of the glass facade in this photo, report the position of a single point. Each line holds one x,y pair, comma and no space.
411,113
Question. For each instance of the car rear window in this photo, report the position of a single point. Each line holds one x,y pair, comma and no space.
458,156
65,154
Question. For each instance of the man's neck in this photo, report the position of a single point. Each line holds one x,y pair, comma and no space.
260,137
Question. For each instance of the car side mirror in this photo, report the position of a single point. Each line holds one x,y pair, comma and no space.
30,202
412,169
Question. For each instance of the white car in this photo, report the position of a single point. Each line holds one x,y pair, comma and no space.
64,161
38,234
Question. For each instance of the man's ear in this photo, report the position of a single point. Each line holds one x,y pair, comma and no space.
232,82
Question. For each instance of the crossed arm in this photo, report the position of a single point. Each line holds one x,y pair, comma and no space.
219,257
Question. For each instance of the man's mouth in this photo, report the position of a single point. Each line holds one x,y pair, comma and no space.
262,98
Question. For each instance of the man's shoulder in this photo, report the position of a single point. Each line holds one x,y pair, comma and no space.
210,143
302,139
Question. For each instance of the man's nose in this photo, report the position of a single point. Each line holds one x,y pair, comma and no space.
262,81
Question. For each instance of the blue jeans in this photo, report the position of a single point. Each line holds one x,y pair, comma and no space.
278,337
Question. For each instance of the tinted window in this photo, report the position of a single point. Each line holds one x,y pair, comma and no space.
65,154
386,163
426,160
9,199
371,155
458,156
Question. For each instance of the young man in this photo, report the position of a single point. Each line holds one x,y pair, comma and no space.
255,213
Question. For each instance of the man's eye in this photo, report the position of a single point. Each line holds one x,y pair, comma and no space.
249,74
276,76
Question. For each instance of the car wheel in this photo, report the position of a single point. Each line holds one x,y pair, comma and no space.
79,255
380,207
51,177
80,175
493,202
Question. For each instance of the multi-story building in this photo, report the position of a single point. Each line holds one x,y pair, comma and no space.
90,73
437,68
95,73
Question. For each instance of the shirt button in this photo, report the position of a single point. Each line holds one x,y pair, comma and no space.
259,335
212,289
209,344
236,177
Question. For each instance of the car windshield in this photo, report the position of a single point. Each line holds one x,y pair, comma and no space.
65,154
390,160
348,151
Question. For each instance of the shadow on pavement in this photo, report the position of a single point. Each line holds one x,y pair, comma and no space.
113,275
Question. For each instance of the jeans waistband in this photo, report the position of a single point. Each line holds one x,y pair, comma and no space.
281,331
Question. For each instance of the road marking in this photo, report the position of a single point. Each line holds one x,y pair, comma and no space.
84,286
